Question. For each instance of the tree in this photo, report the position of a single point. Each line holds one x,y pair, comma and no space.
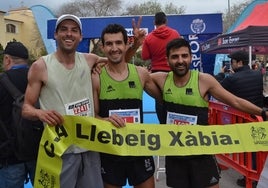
173,9
230,16
151,7
86,8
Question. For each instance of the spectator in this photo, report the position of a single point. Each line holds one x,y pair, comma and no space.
154,49
187,92
245,83
13,172
224,72
125,83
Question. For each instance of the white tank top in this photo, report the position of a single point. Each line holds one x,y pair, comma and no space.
69,92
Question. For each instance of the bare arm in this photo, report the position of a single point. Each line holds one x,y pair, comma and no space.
148,84
96,92
36,78
208,84
159,79
93,60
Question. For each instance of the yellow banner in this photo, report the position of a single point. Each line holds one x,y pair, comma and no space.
142,139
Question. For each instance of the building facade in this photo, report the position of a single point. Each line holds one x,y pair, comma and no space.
19,24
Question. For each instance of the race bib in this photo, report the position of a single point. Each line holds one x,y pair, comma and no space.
79,108
129,115
181,119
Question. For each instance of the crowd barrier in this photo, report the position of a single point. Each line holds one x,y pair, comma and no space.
221,114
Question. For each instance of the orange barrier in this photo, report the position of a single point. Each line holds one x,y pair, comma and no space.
221,114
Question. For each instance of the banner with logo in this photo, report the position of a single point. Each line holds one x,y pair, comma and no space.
142,139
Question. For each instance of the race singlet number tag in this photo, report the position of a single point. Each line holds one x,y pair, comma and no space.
129,115
181,119
79,108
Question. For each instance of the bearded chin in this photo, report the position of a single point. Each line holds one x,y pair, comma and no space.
180,73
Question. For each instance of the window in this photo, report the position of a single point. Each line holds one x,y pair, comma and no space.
10,28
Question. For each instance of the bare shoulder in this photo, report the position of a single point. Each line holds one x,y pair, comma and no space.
39,66
159,75
159,78
207,82
205,77
38,71
143,74
142,70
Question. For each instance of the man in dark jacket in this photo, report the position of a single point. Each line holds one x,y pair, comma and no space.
245,83
13,172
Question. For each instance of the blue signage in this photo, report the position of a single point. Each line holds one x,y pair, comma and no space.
195,28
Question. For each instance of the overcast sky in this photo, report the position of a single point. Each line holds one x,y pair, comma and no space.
192,6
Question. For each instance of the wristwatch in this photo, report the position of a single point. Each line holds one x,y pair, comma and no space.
263,113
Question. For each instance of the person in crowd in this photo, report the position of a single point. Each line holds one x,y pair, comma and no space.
187,92
14,172
245,83
61,80
225,71
154,45
154,49
125,84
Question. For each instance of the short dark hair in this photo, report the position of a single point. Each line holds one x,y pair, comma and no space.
114,28
240,55
177,43
160,18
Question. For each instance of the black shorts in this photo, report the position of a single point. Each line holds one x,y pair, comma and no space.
116,170
192,172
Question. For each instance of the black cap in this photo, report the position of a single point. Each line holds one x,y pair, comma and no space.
16,49
240,55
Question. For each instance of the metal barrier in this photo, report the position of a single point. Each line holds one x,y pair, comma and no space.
221,114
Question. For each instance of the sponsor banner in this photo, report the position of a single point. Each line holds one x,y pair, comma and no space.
200,62
141,139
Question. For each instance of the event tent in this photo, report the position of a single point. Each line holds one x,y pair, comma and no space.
252,38
251,34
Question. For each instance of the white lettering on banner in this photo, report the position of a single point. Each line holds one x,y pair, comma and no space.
196,57
205,47
130,31
230,40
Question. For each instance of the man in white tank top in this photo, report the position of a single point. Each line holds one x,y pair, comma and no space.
60,81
